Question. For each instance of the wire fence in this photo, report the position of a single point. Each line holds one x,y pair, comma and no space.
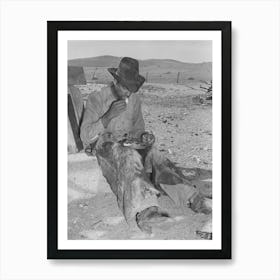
166,77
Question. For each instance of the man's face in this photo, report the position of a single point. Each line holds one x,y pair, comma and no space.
122,91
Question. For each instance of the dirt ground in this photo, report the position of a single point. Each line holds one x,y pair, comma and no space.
181,119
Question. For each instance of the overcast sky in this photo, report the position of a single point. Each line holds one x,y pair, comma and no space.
186,51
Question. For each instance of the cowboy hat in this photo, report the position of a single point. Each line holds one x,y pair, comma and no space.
127,74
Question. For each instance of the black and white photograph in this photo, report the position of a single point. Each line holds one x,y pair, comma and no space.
145,122
143,136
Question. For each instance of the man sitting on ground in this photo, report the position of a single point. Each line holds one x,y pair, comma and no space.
136,176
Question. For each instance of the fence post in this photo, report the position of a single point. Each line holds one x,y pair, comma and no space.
178,75
147,74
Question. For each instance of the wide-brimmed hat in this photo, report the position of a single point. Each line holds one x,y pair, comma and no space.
127,74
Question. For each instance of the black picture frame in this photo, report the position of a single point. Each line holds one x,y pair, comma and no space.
52,102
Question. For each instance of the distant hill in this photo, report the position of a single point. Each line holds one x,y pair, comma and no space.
99,61
156,69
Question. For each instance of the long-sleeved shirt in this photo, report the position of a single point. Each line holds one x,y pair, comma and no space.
130,121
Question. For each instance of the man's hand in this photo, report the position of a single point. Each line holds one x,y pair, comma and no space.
116,108
147,138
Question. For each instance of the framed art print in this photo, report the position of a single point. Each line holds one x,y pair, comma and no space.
139,140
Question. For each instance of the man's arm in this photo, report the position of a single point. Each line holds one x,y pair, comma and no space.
138,120
95,120
92,125
116,108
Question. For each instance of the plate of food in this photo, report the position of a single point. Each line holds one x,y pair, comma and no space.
146,140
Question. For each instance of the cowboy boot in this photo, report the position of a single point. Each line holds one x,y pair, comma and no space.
152,217
201,204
